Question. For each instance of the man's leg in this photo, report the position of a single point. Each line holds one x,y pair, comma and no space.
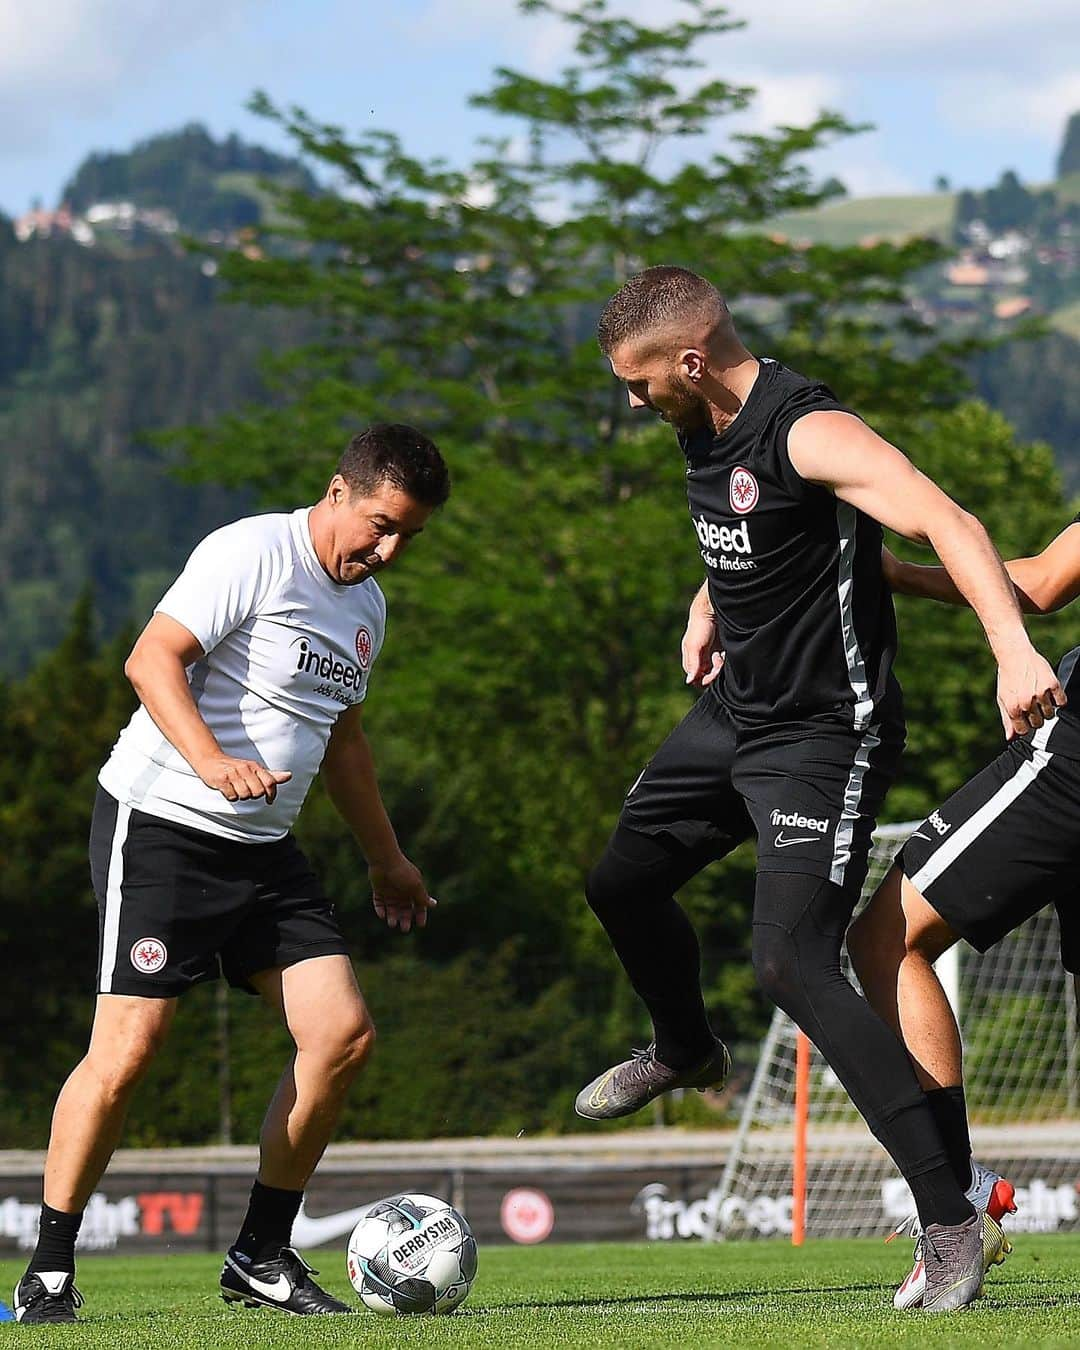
681,814
893,946
86,1126
799,923
631,890
320,1003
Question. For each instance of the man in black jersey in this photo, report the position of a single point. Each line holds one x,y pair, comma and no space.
800,726
1003,847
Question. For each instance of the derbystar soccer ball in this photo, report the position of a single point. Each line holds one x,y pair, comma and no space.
412,1254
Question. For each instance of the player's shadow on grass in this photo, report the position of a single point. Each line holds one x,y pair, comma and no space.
692,1296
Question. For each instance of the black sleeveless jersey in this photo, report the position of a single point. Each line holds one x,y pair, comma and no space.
803,611
1065,737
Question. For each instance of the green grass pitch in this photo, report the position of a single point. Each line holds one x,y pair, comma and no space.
834,1294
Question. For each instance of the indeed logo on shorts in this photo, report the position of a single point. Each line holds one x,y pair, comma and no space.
796,822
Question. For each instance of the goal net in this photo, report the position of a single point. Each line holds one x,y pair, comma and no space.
1017,1015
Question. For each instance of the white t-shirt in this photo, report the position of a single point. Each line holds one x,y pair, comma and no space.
287,649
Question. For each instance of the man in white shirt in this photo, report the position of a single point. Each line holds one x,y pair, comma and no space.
251,674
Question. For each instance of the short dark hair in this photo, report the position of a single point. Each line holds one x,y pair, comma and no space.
391,452
657,296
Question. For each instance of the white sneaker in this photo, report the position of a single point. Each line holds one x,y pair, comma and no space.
993,1197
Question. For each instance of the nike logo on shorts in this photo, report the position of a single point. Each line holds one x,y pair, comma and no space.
781,842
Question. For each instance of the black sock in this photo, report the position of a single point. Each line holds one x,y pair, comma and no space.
936,1197
950,1112
267,1225
55,1248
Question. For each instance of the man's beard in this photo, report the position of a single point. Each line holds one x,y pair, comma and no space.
691,410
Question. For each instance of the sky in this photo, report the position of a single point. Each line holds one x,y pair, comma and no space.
963,89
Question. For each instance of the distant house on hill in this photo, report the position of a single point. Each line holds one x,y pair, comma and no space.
1012,307
967,272
41,224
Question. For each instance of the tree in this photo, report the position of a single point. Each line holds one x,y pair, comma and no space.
1069,156
532,658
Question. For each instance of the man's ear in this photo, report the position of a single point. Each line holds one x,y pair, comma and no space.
691,363
337,490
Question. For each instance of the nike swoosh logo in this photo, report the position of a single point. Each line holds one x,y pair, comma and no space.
278,1291
781,842
313,1232
918,834
598,1097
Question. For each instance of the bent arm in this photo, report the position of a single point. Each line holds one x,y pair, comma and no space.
841,453
845,455
157,669
1043,583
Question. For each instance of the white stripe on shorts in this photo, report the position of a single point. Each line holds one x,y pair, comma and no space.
113,898
965,835
845,827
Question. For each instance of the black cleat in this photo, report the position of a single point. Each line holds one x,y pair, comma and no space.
46,1296
627,1087
282,1282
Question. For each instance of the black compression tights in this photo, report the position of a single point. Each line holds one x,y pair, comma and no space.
799,923
631,890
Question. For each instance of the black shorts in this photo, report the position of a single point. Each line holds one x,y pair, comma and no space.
177,906
1004,846
810,791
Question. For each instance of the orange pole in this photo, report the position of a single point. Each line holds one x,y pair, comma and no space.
802,1113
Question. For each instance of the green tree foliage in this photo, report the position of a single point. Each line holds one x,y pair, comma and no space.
944,664
532,660
1034,385
532,655
1069,156
56,730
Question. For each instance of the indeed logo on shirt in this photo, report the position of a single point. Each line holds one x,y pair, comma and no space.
314,662
731,542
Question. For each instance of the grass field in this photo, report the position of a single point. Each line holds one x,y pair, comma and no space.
748,1294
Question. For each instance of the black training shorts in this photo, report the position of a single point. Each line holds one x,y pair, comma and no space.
1004,846
810,791
177,906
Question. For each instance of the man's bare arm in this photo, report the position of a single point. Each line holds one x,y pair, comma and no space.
843,454
702,657
399,894
1043,583
157,669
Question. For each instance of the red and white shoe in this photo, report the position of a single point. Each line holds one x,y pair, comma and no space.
993,1197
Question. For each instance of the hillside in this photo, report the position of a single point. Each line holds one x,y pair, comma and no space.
1016,258
855,219
109,331
106,338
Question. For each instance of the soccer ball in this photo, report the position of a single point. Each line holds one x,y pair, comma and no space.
412,1254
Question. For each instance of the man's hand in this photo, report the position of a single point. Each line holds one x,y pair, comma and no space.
1028,693
399,895
239,780
702,656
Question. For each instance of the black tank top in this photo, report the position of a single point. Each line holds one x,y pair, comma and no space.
794,573
1066,732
